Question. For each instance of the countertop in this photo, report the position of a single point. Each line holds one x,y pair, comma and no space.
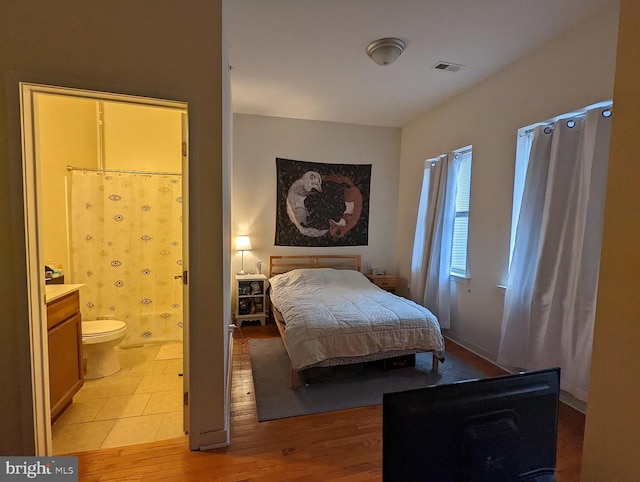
54,292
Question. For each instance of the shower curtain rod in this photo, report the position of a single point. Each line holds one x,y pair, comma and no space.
97,169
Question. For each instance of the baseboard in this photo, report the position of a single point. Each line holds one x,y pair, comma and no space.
214,440
565,397
573,402
475,349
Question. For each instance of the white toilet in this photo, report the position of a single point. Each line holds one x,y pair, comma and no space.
99,340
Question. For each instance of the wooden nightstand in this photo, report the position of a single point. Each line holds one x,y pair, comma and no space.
385,281
251,298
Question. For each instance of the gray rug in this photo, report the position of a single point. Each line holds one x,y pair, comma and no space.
338,388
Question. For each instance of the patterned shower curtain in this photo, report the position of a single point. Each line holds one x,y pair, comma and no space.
126,234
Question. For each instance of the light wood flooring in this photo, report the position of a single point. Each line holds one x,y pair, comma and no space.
338,446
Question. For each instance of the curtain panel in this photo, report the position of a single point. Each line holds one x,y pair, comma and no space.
551,292
431,259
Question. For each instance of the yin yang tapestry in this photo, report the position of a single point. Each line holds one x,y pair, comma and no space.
322,204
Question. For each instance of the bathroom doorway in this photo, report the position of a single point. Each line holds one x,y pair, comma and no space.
86,151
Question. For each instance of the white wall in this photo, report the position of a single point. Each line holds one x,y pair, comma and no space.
168,51
573,71
141,137
258,140
66,134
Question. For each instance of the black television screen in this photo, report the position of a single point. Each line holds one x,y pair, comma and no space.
491,430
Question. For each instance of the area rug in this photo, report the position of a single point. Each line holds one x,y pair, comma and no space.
170,351
338,388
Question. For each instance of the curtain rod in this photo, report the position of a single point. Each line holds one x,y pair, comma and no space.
606,112
97,169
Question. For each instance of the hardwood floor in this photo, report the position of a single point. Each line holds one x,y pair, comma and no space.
338,446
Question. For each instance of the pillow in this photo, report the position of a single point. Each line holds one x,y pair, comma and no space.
316,276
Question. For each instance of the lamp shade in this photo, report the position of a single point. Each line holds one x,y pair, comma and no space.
385,51
243,243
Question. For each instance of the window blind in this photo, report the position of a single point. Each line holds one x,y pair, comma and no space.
461,221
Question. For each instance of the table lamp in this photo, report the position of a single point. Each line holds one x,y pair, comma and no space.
243,243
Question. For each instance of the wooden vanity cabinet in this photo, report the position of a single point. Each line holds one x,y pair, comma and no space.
65,351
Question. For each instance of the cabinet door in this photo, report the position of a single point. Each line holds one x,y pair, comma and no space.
65,363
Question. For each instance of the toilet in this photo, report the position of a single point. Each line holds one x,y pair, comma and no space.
99,340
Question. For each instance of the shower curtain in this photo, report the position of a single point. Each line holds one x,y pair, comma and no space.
126,234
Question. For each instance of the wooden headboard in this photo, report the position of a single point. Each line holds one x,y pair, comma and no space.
282,264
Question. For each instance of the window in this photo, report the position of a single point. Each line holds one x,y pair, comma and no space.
442,226
523,149
461,216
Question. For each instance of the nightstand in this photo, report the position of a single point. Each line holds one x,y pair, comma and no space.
251,298
385,281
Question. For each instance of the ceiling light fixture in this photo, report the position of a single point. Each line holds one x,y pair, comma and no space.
385,51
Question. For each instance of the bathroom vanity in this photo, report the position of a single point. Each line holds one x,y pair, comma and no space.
65,345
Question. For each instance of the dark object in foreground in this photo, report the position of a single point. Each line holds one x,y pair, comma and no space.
490,430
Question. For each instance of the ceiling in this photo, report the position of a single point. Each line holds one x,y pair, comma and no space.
306,59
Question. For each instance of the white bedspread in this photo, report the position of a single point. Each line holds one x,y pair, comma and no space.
333,313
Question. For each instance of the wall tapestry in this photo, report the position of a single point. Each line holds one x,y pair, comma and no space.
322,204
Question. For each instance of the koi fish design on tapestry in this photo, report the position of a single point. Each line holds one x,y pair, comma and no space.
321,204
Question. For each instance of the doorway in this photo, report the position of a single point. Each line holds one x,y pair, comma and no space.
46,215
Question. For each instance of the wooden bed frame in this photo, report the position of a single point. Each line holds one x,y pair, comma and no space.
283,264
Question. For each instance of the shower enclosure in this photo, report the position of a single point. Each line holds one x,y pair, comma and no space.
126,248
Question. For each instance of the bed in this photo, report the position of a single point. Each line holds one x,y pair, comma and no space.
328,313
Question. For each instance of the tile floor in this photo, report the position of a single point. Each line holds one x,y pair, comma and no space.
141,403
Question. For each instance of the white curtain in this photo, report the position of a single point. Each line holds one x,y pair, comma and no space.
431,260
126,247
551,293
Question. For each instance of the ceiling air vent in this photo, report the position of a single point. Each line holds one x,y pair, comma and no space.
448,66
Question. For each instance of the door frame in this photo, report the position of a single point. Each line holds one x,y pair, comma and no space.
186,340
34,256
